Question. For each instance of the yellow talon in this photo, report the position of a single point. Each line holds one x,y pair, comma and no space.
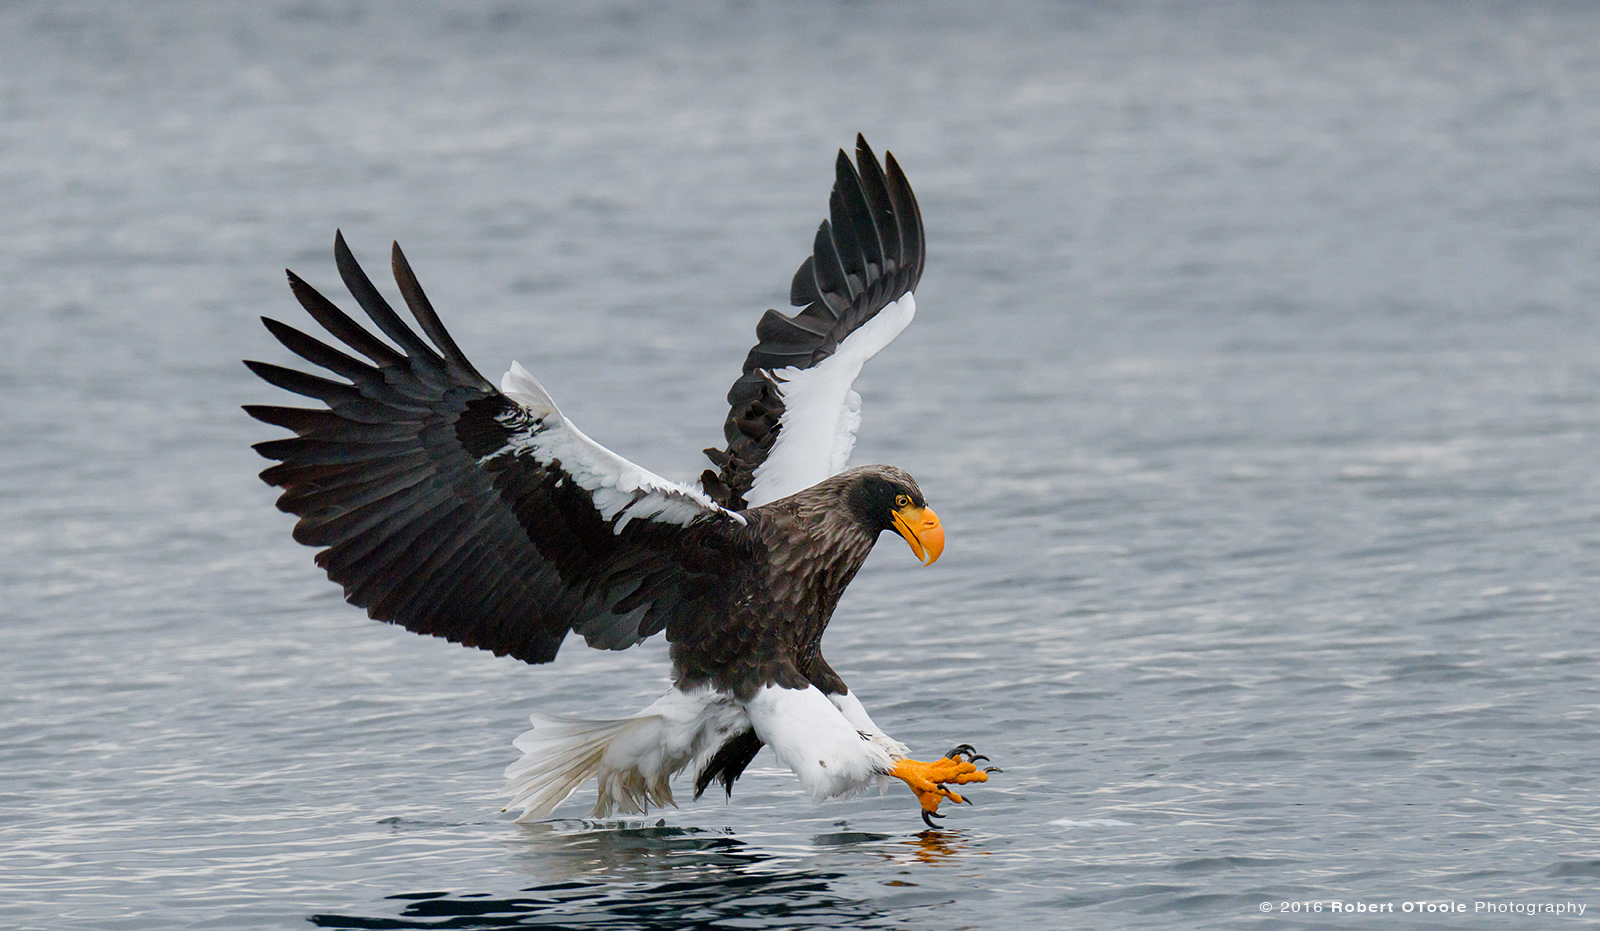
928,781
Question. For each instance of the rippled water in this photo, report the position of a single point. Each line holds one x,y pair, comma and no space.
1255,378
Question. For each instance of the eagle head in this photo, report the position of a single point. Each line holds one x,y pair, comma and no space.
886,498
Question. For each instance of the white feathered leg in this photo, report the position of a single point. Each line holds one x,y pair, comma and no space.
851,708
810,735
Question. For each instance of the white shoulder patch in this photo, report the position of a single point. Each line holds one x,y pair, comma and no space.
520,386
821,413
622,491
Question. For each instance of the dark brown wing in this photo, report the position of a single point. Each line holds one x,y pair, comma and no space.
447,507
867,254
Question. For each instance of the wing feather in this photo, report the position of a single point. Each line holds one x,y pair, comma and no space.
422,309
792,413
341,325
367,295
444,505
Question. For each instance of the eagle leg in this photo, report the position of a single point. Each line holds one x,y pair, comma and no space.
929,780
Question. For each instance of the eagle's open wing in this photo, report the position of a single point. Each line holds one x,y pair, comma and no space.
793,415
482,517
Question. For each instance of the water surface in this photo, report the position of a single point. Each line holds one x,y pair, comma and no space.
1254,377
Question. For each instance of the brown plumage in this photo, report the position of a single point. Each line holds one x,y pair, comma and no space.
767,627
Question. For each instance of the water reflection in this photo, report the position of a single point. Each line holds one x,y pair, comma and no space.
934,848
635,877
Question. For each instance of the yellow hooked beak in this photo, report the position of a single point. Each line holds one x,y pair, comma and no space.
921,528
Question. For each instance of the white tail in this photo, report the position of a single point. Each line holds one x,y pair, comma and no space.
559,755
634,759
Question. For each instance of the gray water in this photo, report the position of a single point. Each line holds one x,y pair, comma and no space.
1255,377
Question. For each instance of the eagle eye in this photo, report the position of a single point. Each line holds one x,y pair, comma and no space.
902,501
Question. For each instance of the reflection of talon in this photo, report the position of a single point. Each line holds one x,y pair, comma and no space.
935,846
929,780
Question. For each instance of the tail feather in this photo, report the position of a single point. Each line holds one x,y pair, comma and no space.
559,755
632,759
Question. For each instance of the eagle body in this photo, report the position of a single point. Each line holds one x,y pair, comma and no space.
482,515
804,550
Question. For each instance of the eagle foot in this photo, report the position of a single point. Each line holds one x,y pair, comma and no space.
965,752
929,780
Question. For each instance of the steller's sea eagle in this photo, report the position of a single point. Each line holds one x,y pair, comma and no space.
486,517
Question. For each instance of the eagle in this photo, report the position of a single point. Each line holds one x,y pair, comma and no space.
484,516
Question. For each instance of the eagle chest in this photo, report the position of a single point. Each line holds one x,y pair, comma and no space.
810,564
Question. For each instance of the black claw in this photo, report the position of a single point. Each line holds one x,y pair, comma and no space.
993,769
963,751
976,757
926,815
